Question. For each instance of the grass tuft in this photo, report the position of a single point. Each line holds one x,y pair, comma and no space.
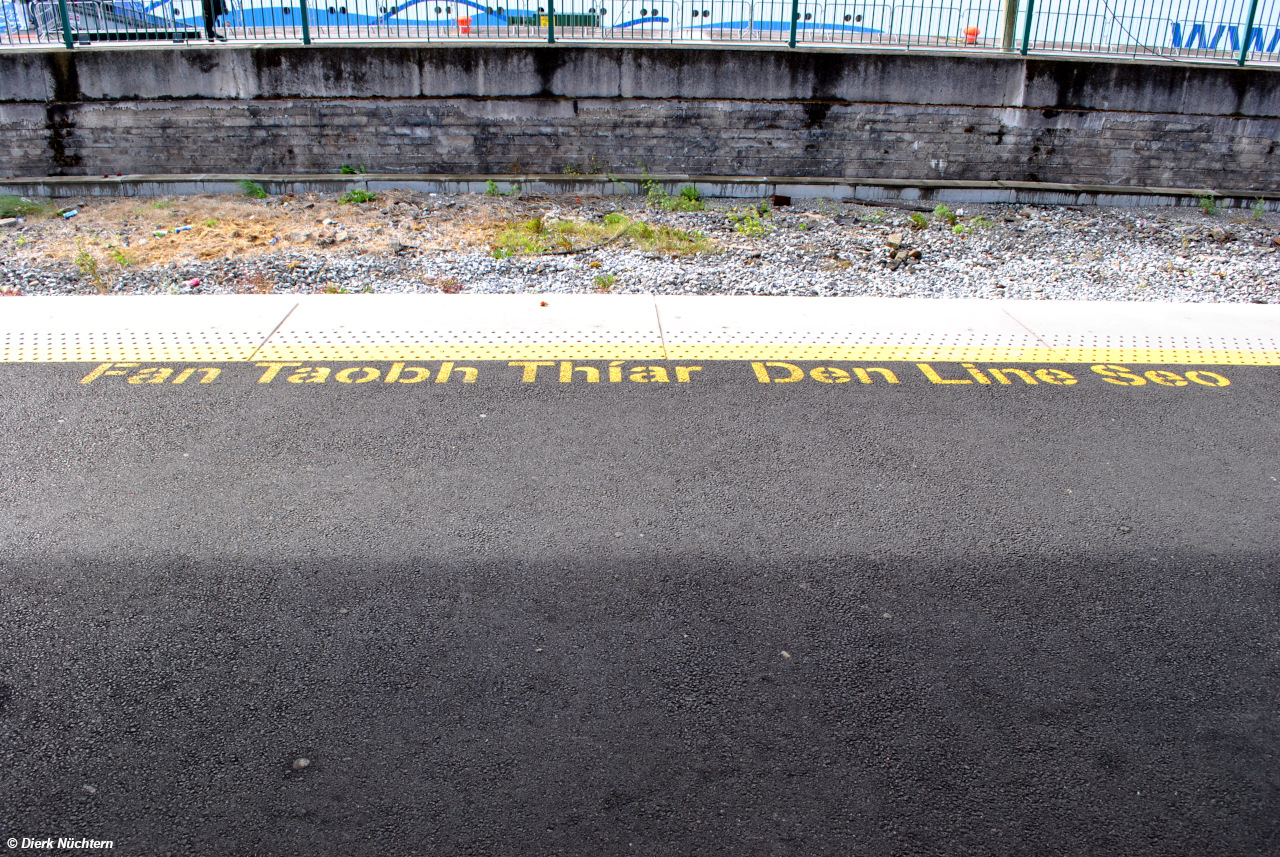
252,189
17,206
356,197
536,236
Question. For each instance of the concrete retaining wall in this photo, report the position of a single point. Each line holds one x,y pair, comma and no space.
727,112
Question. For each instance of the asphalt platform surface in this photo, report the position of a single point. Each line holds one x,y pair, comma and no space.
715,617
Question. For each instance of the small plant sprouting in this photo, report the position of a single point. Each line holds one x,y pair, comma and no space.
604,283
748,223
1208,203
348,170
356,197
917,221
249,188
210,223
981,222
120,256
447,285
689,198
87,265
961,229
1259,208
945,214
255,282
491,189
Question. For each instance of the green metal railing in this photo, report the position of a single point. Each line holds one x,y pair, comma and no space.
1237,31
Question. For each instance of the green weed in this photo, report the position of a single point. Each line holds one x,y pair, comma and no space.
120,256
491,189
961,229
689,198
356,197
1208,203
945,214
1259,208
604,282
917,221
166,204
981,222
348,170
87,265
749,223
251,189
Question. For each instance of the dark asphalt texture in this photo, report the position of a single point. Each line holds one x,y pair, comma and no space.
1017,621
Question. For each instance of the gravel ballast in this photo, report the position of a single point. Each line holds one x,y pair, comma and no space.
405,242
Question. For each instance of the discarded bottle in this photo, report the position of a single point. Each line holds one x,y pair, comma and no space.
69,214
193,283
160,233
181,229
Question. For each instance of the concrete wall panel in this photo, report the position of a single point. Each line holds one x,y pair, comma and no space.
541,109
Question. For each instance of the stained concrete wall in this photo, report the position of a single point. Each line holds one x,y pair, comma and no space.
707,111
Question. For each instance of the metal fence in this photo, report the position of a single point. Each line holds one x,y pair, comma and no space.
1240,31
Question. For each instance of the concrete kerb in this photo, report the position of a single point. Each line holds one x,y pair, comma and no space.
869,190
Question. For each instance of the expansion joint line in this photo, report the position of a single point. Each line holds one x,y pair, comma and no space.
267,339
662,337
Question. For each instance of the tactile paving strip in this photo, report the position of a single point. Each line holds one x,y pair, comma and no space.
461,345
972,346
17,346
128,346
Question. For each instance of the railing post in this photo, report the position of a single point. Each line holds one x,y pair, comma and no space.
795,19
306,25
551,22
66,24
1026,29
1248,32
1009,32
